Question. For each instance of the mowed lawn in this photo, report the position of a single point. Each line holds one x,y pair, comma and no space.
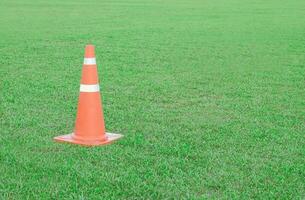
209,94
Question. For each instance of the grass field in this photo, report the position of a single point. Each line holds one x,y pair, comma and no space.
209,95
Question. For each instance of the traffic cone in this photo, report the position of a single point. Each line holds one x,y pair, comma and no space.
89,126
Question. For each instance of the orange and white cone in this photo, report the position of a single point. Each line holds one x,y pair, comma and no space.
89,127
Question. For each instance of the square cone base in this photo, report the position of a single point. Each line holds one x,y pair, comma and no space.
69,139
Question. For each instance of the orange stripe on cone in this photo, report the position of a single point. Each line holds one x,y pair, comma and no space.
89,126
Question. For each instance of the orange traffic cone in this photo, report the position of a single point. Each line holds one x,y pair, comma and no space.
89,127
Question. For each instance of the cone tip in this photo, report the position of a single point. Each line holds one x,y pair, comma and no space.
89,51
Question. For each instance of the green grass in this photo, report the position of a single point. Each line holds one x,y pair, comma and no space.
209,95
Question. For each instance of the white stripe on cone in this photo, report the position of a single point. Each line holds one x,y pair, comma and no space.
89,61
89,88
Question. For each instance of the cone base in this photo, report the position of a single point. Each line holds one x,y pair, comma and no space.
69,139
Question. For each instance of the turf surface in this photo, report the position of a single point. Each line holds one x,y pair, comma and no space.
208,94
